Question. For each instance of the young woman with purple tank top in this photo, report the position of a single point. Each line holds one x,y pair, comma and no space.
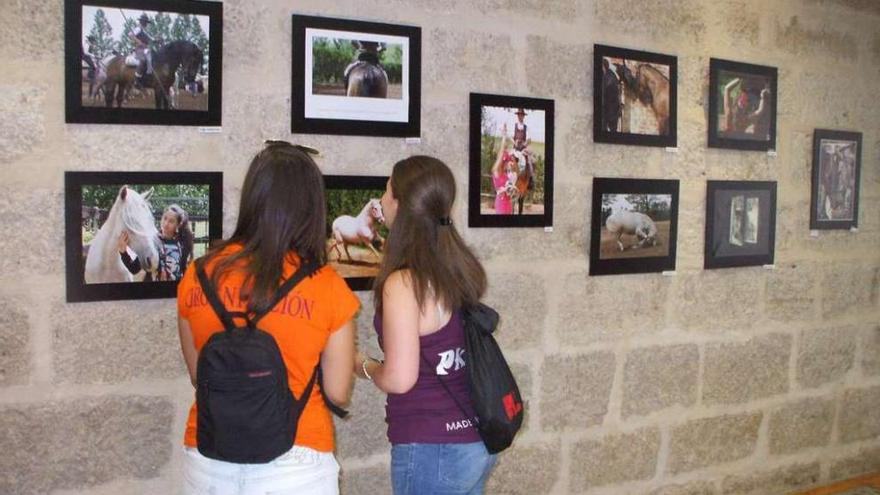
427,275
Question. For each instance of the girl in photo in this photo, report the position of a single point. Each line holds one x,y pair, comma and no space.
175,251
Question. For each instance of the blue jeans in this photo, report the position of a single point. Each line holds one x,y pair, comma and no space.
440,469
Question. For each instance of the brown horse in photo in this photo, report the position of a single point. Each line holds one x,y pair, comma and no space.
651,88
365,76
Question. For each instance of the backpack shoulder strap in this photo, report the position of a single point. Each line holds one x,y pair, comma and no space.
305,269
338,411
445,387
211,294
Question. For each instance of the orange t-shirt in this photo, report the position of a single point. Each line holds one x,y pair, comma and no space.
301,324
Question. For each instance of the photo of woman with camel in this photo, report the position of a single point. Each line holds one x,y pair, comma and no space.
356,229
138,229
143,62
355,77
635,97
511,154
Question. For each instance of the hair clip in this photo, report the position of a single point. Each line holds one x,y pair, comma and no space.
280,142
445,221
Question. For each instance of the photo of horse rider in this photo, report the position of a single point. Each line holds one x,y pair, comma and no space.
356,68
142,41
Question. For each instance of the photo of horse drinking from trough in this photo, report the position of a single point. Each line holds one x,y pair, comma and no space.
144,59
356,228
635,225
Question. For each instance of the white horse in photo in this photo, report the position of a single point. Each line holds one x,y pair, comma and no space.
358,230
632,223
131,212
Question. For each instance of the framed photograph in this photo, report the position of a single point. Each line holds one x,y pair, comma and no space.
356,230
634,97
634,226
740,223
130,235
355,78
143,62
742,106
511,162
837,163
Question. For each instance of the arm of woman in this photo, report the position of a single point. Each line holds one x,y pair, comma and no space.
400,325
188,347
336,364
496,167
728,104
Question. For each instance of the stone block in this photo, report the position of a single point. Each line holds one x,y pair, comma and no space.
376,479
523,374
83,443
741,23
575,390
709,441
715,301
31,30
364,432
564,70
614,459
655,378
599,317
871,351
245,32
867,461
526,470
564,10
521,300
800,425
15,331
741,372
791,292
43,234
859,418
875,48
847,288
788,479
825,355
663,19
468,56
692,488
23,128
794,37
112,342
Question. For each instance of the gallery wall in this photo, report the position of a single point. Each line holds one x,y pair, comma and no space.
744,380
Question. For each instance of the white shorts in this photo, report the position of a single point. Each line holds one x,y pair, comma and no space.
301,470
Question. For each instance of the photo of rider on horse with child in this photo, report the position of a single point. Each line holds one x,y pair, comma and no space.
134,59
349,67
512,161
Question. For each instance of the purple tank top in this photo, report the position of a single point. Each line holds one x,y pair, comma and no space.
427,414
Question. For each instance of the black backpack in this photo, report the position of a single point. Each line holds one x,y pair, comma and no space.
247,413
495,396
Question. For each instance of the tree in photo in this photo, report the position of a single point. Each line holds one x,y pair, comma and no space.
103,35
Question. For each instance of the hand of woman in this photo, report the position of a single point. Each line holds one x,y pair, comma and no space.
122,243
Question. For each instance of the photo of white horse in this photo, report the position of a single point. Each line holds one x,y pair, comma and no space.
635,225
356,231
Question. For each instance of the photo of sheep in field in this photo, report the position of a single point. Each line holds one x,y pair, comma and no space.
356,228
634,224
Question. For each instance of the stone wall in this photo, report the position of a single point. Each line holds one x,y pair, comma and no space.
706,382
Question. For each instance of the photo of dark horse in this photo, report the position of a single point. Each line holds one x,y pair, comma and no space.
365,76
642,93
357,68
183,55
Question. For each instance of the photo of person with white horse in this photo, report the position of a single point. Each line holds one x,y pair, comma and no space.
356,229
121,241
512,167
141,58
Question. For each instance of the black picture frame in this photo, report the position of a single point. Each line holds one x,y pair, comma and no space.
751,98
843,171
605,259
498,110
608,109
75,216
358,273
751,239
314,113
77,113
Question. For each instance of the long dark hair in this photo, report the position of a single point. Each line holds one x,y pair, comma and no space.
282,211
184,235
423,240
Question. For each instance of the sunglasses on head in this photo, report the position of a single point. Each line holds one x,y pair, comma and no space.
268,143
